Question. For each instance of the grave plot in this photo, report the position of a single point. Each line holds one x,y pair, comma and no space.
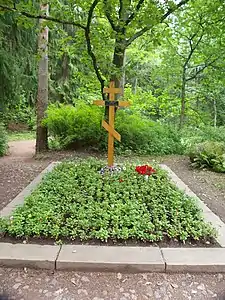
84,201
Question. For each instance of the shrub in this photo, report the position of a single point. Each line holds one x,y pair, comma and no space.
78,126
81,126
76,201
144,136
20,118
192,135
209,155
3,140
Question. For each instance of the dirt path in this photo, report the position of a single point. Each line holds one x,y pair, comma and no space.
207,185
22,149
39,285
18,169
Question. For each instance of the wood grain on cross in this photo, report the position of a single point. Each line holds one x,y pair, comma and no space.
112,91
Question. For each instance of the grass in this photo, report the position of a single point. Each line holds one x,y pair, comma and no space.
75,201
21,136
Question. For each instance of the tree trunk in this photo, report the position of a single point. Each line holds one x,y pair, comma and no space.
42,96
119,63
183,99
215,113
118,74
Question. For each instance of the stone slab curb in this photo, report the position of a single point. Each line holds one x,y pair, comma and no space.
204,260
32,256
110,258
209,216
19,199
113,259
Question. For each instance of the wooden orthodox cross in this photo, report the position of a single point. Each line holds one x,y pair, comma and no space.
112,91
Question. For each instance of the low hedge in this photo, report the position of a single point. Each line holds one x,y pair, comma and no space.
81,127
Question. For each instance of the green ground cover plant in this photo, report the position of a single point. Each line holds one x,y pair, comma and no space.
209,155
76,201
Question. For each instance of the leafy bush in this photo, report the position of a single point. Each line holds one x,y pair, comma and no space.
3,140
76,201
209,155
193,135
22,115
81,126
144,136
74,125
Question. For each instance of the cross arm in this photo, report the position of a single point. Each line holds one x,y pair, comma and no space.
124,103
112,90
99,102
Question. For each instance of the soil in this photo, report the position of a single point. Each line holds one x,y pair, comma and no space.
165,243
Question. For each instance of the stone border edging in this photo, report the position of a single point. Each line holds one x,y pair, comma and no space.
19,199
115,258
29,255
209,216
110,258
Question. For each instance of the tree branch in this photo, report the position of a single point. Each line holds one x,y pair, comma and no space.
132,16
137,35
31,16
172,10
89,46
202,69
193,48
85,28
121,9
147,28
109,17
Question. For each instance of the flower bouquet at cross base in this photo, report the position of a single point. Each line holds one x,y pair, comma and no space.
145,170
111,169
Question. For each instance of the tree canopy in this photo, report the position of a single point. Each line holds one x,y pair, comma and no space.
169,55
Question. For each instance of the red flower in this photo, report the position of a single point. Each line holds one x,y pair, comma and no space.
121,180
145,170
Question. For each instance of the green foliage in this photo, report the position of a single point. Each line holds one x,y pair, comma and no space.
144,136
3,140
209,155
188,49
193,135
76,201
20,136
81,127
17,62
20,115
78,126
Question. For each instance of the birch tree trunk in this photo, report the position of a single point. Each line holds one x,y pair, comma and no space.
42,96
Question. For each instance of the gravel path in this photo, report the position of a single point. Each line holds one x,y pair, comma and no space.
37,285
19,168
209,186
